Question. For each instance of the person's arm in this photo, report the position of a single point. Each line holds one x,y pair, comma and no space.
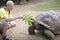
13,18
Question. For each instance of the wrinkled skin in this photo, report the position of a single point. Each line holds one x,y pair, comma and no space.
50,18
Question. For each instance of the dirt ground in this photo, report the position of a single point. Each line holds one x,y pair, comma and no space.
20,32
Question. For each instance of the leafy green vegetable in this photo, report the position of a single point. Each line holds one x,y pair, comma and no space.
27,18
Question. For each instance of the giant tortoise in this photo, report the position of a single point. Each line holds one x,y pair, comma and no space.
47,22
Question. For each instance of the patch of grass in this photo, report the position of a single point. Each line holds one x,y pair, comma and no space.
53,5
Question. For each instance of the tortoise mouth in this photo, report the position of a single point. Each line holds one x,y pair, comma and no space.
32,19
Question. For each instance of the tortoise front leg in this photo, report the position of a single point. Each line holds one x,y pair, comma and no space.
31,29
49,34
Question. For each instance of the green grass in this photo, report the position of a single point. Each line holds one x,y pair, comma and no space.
53,5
